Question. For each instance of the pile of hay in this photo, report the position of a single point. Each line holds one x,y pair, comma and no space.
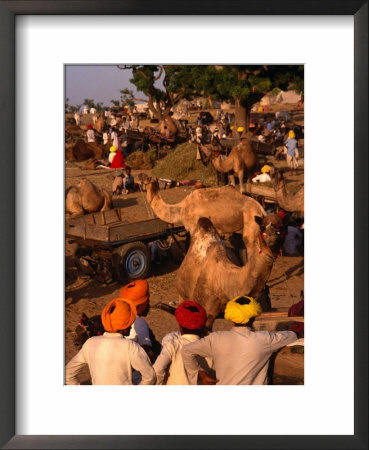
181,164
140,160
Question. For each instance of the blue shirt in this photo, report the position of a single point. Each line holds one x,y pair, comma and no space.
291,145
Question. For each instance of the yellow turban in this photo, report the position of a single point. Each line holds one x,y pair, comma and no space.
260,109
242,309
113,148
240,129
291,134
117,315
232,127
265,169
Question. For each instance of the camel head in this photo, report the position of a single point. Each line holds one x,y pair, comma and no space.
272,232
205,227
205,154
152,189
277,179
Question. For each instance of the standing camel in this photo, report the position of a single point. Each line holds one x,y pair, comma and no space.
100,122
242,160
229,211
210,277
288,201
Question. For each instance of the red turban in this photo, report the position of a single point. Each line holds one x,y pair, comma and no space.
190,315
281,214
137,292
117,315
89,127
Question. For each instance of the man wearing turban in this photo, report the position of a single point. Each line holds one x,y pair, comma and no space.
138,293
241,355
111,357
191,318
90,134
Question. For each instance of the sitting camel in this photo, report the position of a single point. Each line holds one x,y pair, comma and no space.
241,160
80,151
85,198
287,201
210,277
229,211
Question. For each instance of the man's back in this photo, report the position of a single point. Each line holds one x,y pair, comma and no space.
241,356
110,359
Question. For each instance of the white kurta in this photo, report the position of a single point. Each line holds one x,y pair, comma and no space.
170,363
110,359
241,356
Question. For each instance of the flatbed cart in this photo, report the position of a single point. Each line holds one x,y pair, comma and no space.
112,246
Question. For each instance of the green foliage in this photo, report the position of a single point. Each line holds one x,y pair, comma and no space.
89,102
127,97
115,102
182,164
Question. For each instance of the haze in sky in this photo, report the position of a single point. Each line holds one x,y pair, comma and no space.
100,83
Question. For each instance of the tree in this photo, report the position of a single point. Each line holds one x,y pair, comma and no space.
115,102
177,83
89,102
247,85
74,109
127,98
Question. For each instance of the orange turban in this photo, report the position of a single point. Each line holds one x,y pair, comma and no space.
119,314
137,292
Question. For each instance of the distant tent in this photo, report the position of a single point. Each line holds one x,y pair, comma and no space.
282,97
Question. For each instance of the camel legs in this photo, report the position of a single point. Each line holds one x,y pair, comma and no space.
231,179
240,178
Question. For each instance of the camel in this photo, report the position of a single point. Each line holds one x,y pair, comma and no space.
81,150
222,205
287,201
241,160
229,211
99,123
210,277
86,198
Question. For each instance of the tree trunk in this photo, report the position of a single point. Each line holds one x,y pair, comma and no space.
242,115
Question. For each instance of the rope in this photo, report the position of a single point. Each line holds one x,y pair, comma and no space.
288,289
148,207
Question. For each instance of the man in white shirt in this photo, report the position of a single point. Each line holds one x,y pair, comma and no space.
191,318
139,294
90,134
114,138
241,355
111,357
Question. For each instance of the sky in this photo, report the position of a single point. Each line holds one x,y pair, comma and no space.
100,83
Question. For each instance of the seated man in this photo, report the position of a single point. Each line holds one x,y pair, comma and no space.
241,355
129,184
191,318
111,357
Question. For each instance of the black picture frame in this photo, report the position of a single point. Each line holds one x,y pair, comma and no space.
8,10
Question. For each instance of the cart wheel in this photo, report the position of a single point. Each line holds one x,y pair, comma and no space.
131,261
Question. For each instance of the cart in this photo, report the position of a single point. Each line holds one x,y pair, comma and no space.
112,246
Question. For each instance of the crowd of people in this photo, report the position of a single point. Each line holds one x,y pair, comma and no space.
124,354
